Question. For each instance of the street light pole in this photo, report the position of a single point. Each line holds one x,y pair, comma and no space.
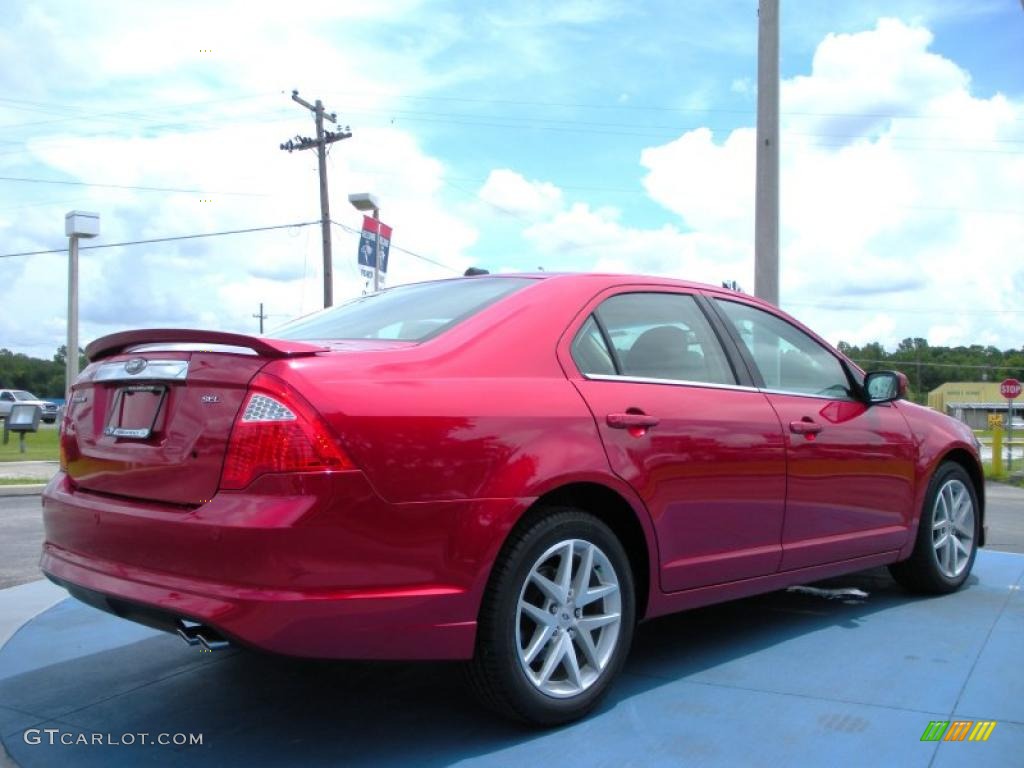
766,198
376,252
77,224
71,350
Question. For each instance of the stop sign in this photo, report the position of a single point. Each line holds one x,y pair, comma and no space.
1010,389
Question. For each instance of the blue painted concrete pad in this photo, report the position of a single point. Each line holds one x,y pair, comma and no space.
788,678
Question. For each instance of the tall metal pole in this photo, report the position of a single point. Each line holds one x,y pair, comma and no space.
766,198
376,252
71,357
325,209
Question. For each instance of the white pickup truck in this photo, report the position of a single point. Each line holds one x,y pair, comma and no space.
9,397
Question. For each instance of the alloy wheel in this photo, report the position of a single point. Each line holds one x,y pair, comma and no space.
568,618
953,528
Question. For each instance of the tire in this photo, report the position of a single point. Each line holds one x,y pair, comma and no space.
947,535
534,663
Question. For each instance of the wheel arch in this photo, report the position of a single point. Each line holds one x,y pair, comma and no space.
614,510
974,471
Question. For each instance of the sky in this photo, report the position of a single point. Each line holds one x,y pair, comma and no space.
574,136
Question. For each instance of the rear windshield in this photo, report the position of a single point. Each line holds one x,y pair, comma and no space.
405,313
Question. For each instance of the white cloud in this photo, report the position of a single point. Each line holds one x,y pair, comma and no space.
509,191
219,282
231,148
900,190
743,85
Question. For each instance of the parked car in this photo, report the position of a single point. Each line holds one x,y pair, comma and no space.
11,397
509,470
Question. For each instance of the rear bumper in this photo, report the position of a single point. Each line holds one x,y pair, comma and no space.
286,567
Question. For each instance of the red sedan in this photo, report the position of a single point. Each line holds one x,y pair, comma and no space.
511,470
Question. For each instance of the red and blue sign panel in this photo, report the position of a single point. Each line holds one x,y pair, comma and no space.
368,248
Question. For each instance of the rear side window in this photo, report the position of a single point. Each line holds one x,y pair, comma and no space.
405,313
590,352
653,336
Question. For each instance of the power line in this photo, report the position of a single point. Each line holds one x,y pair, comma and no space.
672,133
892,361
25,180
656,107
166,239
394,247
648,129
898,310
84,112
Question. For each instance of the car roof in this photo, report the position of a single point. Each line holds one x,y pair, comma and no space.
612,279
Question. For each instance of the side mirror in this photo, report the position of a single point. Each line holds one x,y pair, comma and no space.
885,386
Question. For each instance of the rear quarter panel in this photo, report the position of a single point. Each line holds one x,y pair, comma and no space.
482,412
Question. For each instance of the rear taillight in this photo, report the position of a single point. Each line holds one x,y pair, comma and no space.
277,431
67,442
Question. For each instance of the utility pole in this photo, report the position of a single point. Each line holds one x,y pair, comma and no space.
262,317
323,138
766,198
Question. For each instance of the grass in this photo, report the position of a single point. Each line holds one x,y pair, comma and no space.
39,446
21,481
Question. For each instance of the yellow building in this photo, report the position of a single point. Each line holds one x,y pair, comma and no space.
972,401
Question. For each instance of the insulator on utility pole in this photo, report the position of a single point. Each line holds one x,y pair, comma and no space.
323,138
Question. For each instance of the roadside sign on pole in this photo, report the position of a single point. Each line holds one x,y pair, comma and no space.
368,245
1010,389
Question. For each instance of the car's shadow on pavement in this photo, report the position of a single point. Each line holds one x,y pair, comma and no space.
256,709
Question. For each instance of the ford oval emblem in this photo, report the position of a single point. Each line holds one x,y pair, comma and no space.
135,365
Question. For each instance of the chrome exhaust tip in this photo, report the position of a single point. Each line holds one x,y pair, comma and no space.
200,634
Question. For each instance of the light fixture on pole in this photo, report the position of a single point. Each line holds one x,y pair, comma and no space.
76,224
364,201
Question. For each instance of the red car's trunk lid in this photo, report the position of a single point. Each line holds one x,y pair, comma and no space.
153,423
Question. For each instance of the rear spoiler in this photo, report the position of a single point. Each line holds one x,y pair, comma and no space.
116,343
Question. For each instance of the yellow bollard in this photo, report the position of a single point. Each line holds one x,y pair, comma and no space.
997,451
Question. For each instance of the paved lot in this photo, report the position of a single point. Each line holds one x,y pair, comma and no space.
21,539
785,679
1004,516
37,470
788,678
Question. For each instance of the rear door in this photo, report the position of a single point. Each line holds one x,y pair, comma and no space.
850,467
701,447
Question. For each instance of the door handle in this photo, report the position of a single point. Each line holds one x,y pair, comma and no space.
804,427
631,420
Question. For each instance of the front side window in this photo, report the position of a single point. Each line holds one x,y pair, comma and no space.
653,336
405,313
789,360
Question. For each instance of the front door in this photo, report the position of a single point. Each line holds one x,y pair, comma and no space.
850,466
